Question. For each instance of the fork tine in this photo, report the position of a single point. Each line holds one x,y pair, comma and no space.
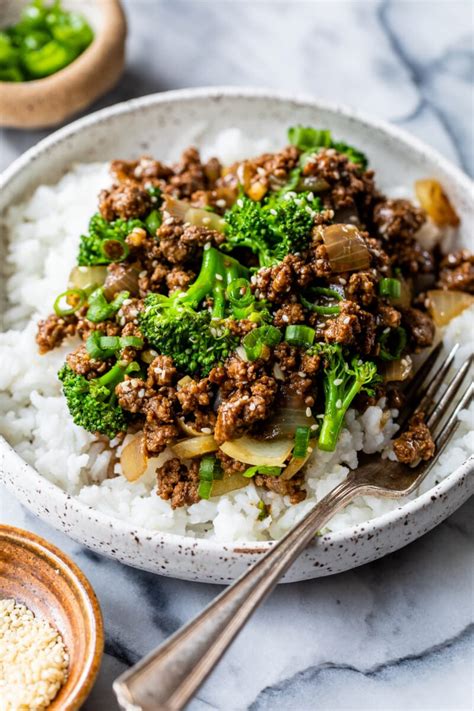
418,385
427,394
453,423
440,407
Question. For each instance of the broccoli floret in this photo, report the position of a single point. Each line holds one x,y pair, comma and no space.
105,241
271,229
174,325
343,380
93,403
309,140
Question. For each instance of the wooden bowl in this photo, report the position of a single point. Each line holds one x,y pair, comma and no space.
40,576
49,101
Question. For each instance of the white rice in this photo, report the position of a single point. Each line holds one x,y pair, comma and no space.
34,418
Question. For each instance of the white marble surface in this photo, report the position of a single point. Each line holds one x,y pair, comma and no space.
396,634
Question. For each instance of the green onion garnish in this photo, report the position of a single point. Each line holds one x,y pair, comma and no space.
302,436
262,509
261,469
392,342
318,308
390,287
100,309
256,342
300,335
114,250
209,469
153,221
239,292
74,298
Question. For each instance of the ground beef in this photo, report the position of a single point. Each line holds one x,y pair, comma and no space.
133,394
388,316
410,256
124,200
457,271
152,279
84,327
420,327
348,185
81,363
179,279
191,176
416,443
287,357
179,243
276,283
177,483
53,330
161,371
289,313
244,408
230,465
352,327
362,287
144,170
310,364
158,437
128,312
269,171
195,398
290,487
320,265
398,219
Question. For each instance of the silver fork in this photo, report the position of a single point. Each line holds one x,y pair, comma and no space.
168,677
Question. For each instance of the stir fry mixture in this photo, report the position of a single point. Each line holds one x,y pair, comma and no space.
230,315
46,39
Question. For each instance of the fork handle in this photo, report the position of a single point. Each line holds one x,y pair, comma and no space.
168,677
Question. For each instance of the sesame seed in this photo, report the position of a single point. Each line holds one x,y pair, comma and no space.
347,320
240,202
386,330
302,374
313,427
252,406
219,277
169,221
206,220
308,412
221,203
339,404
206,430
141,392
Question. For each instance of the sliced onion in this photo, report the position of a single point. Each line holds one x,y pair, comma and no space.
184,381
195,446
346,248
228,483
445,305
254,451
86,277
290,415
189,430
398,370
133,459
121,277
298,463
197,216
257,190
436,203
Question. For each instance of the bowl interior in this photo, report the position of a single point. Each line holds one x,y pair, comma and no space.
41,577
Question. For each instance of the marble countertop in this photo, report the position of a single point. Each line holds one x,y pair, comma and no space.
396,634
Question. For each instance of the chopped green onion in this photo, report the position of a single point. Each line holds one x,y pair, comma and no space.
100,347
390,288
261,469
302,436
114,250
256,342
239,292
78,298
300,335
131,342
100,309
392,342
153,221
262,509
209,469
318,308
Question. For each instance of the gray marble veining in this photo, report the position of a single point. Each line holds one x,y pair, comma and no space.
396,634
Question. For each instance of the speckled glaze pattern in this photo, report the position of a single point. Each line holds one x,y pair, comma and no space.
163,124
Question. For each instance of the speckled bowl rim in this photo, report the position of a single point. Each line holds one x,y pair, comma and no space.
77,580
174,540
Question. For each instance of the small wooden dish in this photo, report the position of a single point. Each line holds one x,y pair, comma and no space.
39,575
49,101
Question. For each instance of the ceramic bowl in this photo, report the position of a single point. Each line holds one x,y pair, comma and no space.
39,575
49,101
162,125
